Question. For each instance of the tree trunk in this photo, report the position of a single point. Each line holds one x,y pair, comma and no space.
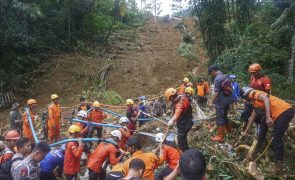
291,61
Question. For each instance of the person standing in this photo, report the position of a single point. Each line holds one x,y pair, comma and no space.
222,98
15,118
97,116
132,114
27,132
182,116
54,115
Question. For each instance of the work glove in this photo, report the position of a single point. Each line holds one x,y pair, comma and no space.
170,123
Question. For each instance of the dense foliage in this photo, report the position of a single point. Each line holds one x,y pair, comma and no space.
30,30
238,33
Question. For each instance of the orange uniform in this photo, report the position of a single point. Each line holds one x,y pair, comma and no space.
72,158
151,162
84,130
100,154
181,89
96,116
26,126
125,135
262,83
8,153
54,114
277,105
202,89
171,155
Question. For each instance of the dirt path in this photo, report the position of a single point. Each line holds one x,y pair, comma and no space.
153,65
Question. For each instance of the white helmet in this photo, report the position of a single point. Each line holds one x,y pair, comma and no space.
82,113
159,137
123,120
117,133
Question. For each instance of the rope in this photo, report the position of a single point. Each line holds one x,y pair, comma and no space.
83,139
31,125
97,124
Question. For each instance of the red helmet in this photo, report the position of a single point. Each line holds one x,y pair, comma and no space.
12,135
254,68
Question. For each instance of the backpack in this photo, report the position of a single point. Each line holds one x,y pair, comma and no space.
226,87
5,167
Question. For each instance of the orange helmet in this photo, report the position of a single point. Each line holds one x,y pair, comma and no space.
31,102
12,135
170,92
254,68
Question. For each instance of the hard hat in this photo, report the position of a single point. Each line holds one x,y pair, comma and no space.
96,104
254,68
123,120
159,137
189,90
54,96
170,92
232,76
170,137
185,80
129,102
15,105
74,129
246,91
12,135
31,102
117,133
142,98
82,113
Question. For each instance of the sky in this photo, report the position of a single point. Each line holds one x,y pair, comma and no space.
165,6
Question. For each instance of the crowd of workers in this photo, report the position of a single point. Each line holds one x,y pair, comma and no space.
24,158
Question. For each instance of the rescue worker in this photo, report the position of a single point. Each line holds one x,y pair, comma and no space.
236,92
103,152
258,81
221,102
132,114
125,133
24,148
142,108
278,115
182,116
151,161
54,114
191,166
84,127
169,153
11,138
136,170
185,83
29,167
202,92
27,132
73,154
15,118
97,116
189,92
83,105
53,160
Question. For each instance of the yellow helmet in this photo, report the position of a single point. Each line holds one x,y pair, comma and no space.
185,80
189,90
31,102
170,92
96,104
74,129
54,96
129,102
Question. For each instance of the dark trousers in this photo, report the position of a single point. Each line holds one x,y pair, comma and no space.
280,126
221,114
97,176
202,100
47,176
182,131
98,132
163,173
71,176
246,112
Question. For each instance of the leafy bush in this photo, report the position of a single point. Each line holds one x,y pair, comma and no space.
186,50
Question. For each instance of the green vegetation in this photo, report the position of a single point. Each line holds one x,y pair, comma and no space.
238,33
31,31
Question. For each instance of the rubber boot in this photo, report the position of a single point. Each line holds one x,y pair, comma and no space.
227,128
220,134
